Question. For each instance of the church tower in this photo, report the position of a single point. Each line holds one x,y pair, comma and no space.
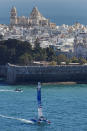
13,16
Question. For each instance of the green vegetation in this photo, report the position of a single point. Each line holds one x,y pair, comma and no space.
82,61
74,60
21,52
61,58
54,63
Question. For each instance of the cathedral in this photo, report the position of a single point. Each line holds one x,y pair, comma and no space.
35,19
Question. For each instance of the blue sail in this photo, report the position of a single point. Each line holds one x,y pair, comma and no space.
40,114
39,94
41,118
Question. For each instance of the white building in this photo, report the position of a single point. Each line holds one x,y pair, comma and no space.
35,19
80,47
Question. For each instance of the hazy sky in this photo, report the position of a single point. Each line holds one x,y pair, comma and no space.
60,3
68,5
49,8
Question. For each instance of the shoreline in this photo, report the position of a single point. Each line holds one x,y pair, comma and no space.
64,83
60,83
46,83
52,83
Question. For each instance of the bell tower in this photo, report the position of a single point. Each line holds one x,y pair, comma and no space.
13,16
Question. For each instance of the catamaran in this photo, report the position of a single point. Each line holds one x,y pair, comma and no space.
41,118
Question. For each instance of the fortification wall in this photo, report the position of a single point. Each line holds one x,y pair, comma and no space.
3,71
46,73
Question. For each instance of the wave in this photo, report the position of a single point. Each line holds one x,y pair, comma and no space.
19,119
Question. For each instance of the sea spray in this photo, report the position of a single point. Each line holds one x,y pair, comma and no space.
19,119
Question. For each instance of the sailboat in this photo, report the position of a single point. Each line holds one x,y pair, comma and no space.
41,119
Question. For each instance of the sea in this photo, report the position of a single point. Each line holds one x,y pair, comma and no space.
64,105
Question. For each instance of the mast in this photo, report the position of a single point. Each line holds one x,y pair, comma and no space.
40,114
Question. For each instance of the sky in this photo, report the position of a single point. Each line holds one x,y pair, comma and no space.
49,8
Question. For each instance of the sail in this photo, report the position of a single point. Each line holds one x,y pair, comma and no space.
40,114
39,94
39,100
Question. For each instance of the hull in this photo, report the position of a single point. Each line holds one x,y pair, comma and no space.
34,121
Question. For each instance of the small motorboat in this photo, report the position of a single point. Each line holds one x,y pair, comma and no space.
18,90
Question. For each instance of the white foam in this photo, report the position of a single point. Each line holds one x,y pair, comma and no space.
19,119
6,90
2,90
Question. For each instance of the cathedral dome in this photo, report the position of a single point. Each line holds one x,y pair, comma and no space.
13,9
35,14
23,17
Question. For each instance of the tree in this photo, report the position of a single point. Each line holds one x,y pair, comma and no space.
61,58
25,59
37,45
51,55
1,36
54,63
11,55
74,60
82,61
3,54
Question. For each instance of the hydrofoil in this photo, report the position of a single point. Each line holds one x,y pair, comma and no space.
41,119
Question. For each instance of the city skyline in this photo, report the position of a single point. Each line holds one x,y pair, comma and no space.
59,11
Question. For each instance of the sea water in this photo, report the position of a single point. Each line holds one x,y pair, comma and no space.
64,105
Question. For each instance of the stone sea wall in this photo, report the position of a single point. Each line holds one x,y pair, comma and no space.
3,71
77,73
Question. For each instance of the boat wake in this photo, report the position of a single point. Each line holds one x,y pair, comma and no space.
9,91
6,90
19,119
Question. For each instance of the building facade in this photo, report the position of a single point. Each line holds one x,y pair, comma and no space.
35,19
80,47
